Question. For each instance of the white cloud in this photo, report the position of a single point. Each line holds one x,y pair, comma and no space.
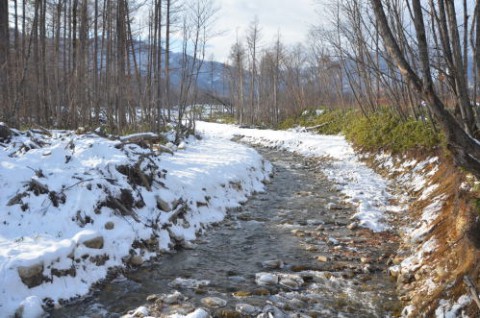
292,18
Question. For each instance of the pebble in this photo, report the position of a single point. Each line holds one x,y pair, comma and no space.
225,313
311,248
214,302
273,264
265,279
323,258
246,309
242,293
292,282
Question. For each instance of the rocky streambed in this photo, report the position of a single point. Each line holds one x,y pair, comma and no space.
292,251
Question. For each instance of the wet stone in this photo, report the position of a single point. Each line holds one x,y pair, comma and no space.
273,264
242,293
246,309
214,302
265,279
323,258
225,313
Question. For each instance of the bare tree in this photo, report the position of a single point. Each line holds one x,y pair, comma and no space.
253,39
465,149
197,29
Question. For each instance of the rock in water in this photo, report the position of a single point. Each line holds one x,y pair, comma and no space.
291,281
214,302
273,264
264,279
322,258
246,309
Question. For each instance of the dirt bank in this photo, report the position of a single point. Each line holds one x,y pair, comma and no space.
438,223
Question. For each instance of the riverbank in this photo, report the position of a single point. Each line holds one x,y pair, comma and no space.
76,206
439,233
80,203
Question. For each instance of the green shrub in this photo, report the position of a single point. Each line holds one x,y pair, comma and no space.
381,130
386,130
330,122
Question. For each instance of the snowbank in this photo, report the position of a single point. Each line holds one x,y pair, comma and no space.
74,206
363,187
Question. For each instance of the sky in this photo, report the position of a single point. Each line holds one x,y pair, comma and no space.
292,18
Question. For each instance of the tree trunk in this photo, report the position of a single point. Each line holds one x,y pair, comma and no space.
4,52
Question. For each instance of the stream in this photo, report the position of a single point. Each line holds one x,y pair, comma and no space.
287,252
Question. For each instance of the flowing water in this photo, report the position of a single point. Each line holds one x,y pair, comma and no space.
297,230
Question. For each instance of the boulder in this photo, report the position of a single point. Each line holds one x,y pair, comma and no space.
136,260
31,275
94,243
163,205
109,225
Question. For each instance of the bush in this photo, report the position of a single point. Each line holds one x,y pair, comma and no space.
382,130
330,122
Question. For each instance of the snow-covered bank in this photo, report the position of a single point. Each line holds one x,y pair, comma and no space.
364,188
437,251
74,206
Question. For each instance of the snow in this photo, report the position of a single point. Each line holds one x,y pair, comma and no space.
364,188
31,307
448,310
205,178
81,173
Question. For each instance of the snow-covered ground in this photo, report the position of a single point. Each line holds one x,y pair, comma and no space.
72,205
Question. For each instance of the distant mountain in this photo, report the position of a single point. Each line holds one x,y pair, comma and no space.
210,79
